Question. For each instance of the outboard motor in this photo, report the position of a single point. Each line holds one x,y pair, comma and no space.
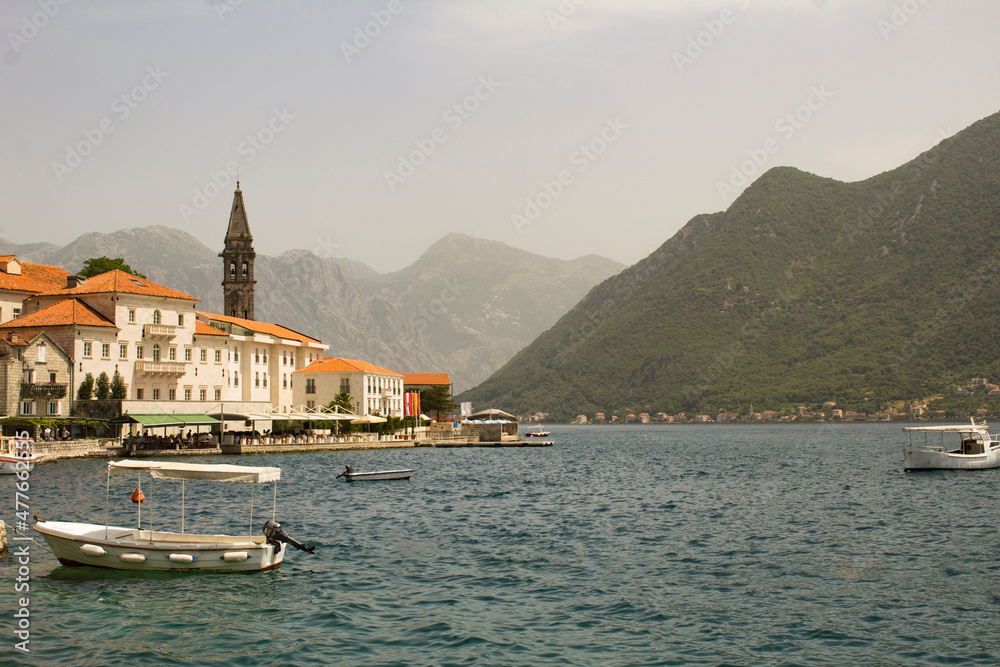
274,534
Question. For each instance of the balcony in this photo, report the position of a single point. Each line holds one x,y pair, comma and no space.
30,390
159,330
161,367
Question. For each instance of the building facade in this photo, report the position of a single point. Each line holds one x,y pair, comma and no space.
372,389
34,375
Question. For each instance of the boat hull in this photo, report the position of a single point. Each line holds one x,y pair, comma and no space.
8,464
117,548
923,459
377,475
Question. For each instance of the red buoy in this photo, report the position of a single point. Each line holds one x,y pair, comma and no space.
137,496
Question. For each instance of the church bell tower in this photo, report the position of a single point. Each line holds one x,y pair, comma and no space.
237,262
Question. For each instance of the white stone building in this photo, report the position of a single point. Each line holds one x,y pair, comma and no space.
372,389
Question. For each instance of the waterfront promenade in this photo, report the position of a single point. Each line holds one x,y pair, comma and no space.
112,448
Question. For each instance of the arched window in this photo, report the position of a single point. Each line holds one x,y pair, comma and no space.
232,269
244,269
156,350
156,317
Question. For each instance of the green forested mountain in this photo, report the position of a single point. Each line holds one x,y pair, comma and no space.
805,290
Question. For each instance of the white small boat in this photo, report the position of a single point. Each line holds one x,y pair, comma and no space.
16,456
121,548
950,447
351,476
536,434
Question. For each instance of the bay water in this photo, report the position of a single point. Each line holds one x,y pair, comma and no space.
620,545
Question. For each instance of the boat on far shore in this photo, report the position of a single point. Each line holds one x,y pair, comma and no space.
976,448
350,476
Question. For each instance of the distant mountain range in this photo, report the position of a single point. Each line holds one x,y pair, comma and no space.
464,308
805,290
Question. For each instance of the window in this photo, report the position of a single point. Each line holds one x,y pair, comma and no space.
265,380
284,358
284,380
172,354
52,378
203,355
138,394
310,385
232,269
256,379
172,394
31,376
131,315
53,408
236,355
310,404
180,319
87,348
256,356
157,317
245,269
156,394
123,350
265,356
27,407
17,313
218,394
138,351
187,393
201,395
41,353
218,356
345,385
187,354
105,350
236,378
156,355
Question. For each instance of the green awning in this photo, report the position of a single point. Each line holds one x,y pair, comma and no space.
173,419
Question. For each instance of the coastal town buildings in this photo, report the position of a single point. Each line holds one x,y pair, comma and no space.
261,359
34,375
372,389
422,381
20,280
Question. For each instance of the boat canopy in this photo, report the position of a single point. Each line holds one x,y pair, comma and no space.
953,428
204,471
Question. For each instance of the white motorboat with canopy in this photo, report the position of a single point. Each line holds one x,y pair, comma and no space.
120,548
928,448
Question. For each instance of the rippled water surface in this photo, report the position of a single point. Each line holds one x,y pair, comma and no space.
632,545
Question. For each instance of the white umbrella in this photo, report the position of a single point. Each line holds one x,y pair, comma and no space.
369,419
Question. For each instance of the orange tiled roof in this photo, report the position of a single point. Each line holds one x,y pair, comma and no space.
339,365
117,281
62,313
202,329
426,378
33,278
262,327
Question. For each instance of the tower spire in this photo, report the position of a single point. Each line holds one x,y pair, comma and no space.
237,262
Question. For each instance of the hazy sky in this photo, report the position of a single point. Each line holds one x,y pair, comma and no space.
370,129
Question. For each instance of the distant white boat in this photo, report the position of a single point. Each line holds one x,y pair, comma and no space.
121,548
536,434
351,476
950,447
16,455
